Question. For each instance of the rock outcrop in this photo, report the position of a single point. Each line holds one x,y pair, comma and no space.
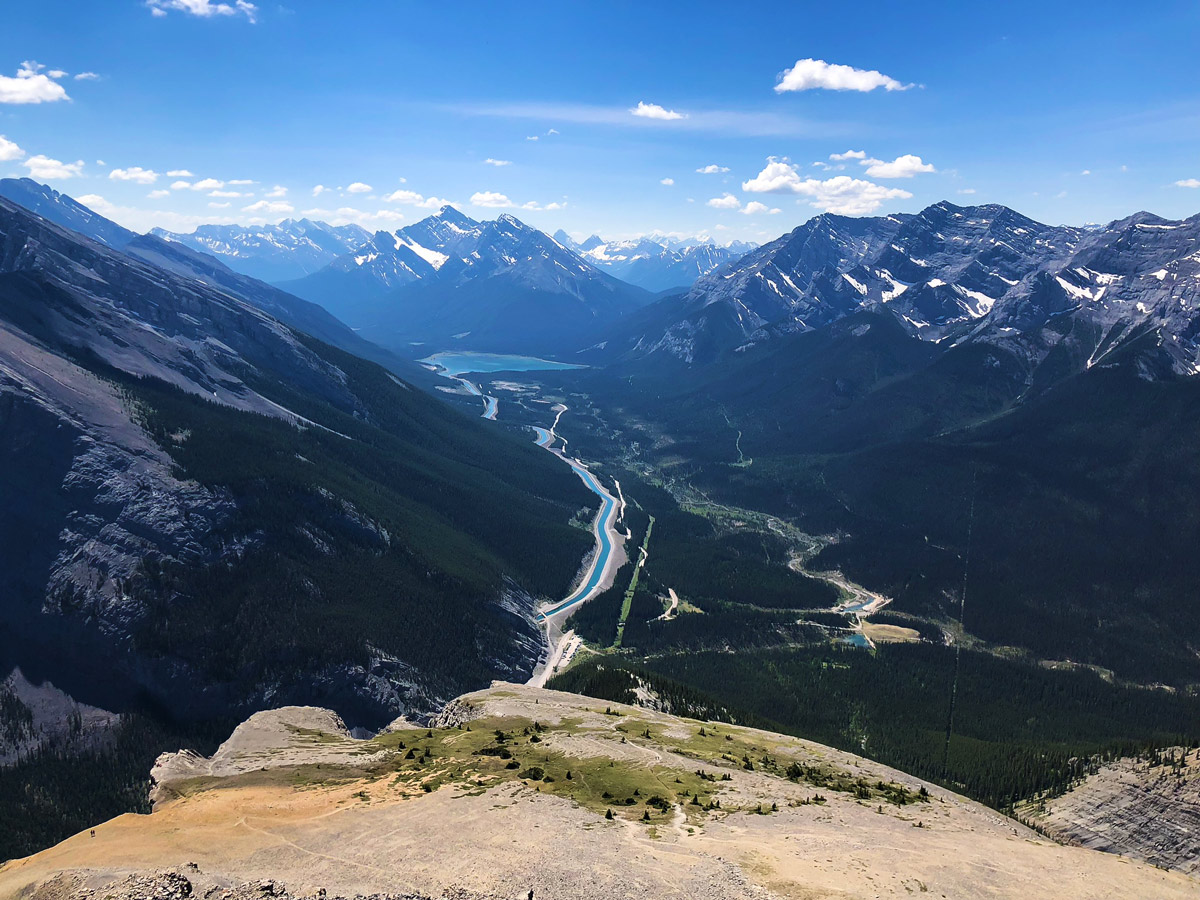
36,716
271,739
1146,809
176,886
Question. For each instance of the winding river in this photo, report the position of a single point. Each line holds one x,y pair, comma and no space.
604,561
604,529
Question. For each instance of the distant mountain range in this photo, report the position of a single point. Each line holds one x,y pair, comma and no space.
296,248
656,263
292,249
445,281
450,281
950,275
978,274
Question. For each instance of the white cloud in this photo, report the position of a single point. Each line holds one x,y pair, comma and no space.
319,190
491,199
206,184
712,169
551,131
134,173
87,76
1086,172
966,190
494,200
359,188
901,167
498,162
274,207
180,185
9,150
1188,183
224,193
412,198
654,111
205,8
43,167
725,201
242,181
754,208
214,205
276,192
814,74
905,166
158,194
667,181
57,73
31,85
532,137
842,194
778,176
179,173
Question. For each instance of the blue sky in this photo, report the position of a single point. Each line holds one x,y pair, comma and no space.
1069,112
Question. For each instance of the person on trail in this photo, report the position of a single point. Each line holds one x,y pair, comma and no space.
531,894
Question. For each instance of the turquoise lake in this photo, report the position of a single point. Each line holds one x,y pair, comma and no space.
462,362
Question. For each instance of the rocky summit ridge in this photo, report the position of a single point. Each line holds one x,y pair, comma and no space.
517,789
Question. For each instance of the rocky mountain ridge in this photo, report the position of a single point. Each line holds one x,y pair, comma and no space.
183,260
67,301
65,211
952,275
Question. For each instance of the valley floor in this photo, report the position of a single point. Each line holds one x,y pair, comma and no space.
293,797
